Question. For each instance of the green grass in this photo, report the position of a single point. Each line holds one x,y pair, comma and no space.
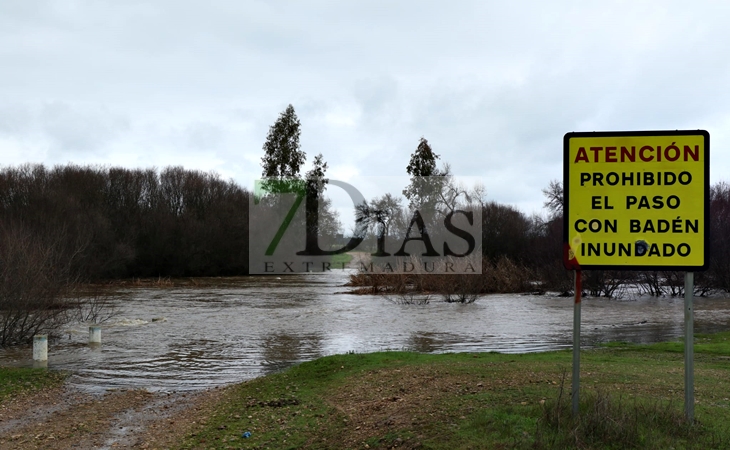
15,381
339,259
631,397
715,344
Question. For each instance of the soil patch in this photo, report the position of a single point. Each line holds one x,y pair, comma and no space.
66,418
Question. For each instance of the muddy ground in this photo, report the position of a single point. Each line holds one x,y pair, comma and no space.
67,418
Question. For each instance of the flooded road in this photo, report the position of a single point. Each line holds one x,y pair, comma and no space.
190,338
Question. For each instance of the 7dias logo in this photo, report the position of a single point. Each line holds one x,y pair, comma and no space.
426,225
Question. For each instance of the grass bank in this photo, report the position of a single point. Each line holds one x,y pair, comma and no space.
632,397
341,259
14,381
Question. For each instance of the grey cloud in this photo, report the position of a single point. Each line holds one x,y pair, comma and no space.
493,86
74,129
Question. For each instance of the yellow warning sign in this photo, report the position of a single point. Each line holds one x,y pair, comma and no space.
636,200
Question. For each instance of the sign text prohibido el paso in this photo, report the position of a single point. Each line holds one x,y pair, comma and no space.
637,200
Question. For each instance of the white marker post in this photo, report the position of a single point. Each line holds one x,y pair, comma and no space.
689,371
575,391
40,348
95,335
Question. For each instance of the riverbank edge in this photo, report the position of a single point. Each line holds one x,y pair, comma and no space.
457,400
480,400
16,381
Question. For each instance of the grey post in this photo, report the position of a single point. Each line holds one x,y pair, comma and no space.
575,391
689,373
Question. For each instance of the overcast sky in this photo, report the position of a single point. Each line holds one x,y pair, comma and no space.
493,86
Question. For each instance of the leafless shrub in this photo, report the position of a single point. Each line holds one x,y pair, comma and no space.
703,284
651,283
36,279
409,298
607,283
673,283
409,288
461,288
506,276
95,308
374,283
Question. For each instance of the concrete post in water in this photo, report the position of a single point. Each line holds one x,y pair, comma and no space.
40,347
95,335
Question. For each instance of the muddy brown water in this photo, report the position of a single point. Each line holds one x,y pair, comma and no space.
172,339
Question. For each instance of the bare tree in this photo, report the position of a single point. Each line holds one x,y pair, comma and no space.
36,280
554,198
383,217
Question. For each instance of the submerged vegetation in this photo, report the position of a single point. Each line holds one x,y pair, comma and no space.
502,276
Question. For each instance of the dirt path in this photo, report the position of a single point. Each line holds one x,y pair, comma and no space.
66,418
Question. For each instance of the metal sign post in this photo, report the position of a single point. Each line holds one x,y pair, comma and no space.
689,373
575,391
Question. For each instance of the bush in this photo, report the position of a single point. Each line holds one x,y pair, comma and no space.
36,278
502,277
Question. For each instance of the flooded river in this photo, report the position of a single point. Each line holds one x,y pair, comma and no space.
191,338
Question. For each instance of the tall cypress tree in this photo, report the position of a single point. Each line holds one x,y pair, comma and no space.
283,157
423,191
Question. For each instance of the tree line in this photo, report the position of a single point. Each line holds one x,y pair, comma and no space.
121,223
115,223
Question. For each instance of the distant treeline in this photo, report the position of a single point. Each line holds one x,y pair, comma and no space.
536,244
659,283
525,253
520,253
120,223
